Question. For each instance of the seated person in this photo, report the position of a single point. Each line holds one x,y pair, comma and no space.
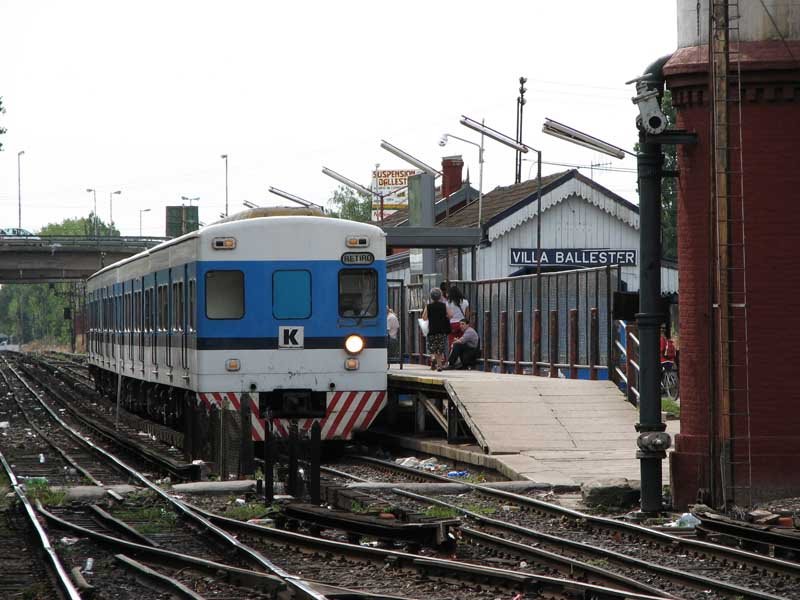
466,348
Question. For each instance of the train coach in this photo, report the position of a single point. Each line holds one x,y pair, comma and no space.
278,317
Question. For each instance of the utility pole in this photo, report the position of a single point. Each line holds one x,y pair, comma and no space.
520,104
19,184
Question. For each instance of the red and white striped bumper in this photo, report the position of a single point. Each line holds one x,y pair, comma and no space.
347,412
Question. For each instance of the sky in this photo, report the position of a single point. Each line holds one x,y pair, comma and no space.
144,97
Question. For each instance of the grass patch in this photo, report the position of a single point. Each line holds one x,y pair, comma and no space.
245,512
357,507
148,519
475,478
480,509
670,407
441,512
39,490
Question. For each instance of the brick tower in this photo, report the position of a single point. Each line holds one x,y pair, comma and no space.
759,174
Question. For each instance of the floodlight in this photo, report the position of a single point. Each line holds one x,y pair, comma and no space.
408,158
348,182
491,133
293,198
569,134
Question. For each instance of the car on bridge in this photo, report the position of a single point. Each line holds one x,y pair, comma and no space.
17,232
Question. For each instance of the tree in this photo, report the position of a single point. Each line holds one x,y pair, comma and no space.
2,129
669,188
35,311
348,204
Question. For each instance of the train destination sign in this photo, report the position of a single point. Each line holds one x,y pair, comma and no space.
358,258
579,257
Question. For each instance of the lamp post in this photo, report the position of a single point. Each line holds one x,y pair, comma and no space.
94,210
142,210
111,210
248,204
190,200
443,142
19,184
225,157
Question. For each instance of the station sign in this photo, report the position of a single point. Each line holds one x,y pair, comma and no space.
572,257
384,181
357,258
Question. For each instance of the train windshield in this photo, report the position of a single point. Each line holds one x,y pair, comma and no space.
358,293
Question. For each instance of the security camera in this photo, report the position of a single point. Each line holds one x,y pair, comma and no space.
443,141
650,115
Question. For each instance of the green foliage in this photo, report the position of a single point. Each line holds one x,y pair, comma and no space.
670,407
35,311
245,512
148,519
39,490
441,512
349,204
669,188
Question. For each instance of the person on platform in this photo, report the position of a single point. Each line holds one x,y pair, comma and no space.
466,348
438,317
667,349
393,333
459,309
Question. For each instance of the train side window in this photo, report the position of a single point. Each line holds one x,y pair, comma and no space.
148,311
224,294
358,293
163,308
177,306
192,303
291,294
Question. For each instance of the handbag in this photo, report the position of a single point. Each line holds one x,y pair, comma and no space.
423,326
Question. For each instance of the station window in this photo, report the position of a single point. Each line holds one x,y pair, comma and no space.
358,293
291,294
224,294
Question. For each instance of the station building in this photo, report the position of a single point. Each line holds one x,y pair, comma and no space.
583,225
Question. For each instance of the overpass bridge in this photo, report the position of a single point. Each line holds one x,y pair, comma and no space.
42,259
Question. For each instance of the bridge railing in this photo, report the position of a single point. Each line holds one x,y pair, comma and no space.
568,335
81,241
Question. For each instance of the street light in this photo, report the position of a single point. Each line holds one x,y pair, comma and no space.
523,148
111,209
190,200
293,198
94,194
225,156
574,136
443,142
409,159
142,210
19,184
247,204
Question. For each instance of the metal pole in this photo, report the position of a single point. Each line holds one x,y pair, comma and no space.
140,223
19,184
225,156
651,444
94,196
538,230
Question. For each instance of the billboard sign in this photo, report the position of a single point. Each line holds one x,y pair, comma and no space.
386,180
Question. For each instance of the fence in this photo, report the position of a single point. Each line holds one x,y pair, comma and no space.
570,334
625,361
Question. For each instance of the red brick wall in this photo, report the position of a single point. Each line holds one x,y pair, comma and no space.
771,134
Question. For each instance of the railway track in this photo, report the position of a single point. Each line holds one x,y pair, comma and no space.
526,521
294,558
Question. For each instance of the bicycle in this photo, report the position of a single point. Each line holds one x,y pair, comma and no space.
669,380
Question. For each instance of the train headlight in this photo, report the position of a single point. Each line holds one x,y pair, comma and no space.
232,364
354,344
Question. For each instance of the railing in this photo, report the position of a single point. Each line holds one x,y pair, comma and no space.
81,240
625,371
569,335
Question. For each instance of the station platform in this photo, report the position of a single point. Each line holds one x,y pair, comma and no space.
557,431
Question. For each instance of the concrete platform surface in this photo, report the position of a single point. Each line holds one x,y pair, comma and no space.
556,431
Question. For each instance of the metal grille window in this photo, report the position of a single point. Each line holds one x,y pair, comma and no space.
224,294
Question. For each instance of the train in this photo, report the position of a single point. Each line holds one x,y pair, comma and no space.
245,328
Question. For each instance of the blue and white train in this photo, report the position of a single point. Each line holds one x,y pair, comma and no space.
286,314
